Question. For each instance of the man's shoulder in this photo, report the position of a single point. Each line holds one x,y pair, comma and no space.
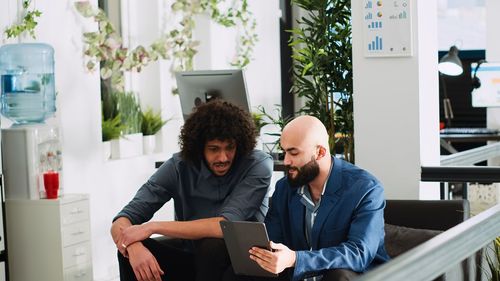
355,172
179,164
257,157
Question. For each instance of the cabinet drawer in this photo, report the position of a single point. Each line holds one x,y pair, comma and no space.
76,254
81,272
74,212
76,233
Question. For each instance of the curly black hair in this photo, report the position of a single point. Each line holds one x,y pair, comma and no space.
217,120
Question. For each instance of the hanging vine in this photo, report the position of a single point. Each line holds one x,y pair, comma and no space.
105,45
28,22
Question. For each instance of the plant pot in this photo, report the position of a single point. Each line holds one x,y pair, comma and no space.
106,150
126,146
148,144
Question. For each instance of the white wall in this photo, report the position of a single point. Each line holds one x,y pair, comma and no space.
396,107
111,184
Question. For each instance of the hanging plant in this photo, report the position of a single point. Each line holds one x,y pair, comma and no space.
105,45
28,22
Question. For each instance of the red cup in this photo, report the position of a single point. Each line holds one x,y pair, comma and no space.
51,183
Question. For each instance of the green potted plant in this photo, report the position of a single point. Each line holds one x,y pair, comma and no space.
322,68
151,124
258,120
274,148
111,130
130,142
493,260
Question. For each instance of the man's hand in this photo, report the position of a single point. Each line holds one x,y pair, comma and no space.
116,232
275,262
144,264
134,233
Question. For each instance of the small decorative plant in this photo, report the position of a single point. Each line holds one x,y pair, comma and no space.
258,119
130,111
28,22
494,262
280,122
152,122
112,128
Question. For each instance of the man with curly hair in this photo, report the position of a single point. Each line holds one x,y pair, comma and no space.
216,176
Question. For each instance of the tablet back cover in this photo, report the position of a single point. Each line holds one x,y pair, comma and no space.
240,236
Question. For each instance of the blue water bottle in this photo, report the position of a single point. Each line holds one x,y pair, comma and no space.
27,82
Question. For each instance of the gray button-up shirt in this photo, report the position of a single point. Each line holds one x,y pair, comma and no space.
198,193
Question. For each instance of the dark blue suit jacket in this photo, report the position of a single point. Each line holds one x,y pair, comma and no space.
349,228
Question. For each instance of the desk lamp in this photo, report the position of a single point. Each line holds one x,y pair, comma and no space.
450,65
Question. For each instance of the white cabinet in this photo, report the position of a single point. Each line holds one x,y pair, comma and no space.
49,240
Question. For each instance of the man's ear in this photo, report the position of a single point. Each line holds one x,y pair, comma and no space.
321,152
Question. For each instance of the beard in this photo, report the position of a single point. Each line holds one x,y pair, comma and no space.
304,175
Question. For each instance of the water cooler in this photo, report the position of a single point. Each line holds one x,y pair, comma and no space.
29,147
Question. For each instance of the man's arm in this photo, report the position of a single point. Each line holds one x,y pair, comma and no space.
245,200
192,230
196,229
143,263
152,195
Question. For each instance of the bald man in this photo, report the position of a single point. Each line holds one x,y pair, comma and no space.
326,220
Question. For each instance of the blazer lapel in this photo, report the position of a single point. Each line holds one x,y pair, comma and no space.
328,200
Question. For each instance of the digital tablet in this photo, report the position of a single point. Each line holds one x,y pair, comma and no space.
240,236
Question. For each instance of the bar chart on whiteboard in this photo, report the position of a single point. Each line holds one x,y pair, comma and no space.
387,28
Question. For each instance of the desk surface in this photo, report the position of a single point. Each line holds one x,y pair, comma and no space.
469,137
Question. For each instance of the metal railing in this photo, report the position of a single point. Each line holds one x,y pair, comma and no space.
439,254
472,156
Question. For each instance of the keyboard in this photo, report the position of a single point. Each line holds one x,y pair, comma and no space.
469,131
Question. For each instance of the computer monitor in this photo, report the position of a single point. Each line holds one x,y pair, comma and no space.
488,93
198,87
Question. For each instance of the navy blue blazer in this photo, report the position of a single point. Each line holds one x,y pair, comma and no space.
348,231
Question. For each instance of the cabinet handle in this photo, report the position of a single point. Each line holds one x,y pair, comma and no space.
77,233
80,274
79,254
76,211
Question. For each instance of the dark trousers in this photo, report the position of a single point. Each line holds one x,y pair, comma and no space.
330,275
207,261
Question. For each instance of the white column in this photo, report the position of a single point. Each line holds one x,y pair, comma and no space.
396,109
493,55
